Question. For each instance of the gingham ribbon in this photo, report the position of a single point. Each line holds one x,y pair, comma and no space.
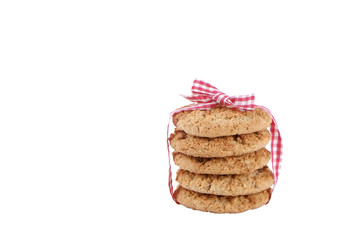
206,96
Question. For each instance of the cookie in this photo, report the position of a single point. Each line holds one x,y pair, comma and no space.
226,185
218,147
243,164
221,121
221,204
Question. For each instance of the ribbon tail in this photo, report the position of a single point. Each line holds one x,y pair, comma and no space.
170,172
276,148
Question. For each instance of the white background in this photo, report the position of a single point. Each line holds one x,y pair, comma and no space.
85,95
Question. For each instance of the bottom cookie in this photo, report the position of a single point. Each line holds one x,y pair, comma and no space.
221,204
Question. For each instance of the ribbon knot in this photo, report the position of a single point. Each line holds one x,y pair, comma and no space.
222,99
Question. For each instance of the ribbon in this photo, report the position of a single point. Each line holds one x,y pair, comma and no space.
205,96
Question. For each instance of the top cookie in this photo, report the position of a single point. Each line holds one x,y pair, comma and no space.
221,121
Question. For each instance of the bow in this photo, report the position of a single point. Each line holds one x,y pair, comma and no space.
203,92
205,96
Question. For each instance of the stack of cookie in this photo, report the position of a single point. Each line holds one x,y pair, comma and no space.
222,159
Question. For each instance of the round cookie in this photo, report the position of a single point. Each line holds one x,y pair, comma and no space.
226,185
221,121
243,164
218,147
221,204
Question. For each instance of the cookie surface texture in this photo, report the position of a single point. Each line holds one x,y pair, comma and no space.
218,147
221,121
226,185
243,164
221,204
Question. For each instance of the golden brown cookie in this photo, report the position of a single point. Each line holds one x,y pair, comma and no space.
243,164
226,185
221,121
218,147
221,204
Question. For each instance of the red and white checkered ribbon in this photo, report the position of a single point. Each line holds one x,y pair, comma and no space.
206,96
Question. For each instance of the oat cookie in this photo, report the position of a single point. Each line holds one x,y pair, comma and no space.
226,185
221,121
218,147
243,164
221,204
